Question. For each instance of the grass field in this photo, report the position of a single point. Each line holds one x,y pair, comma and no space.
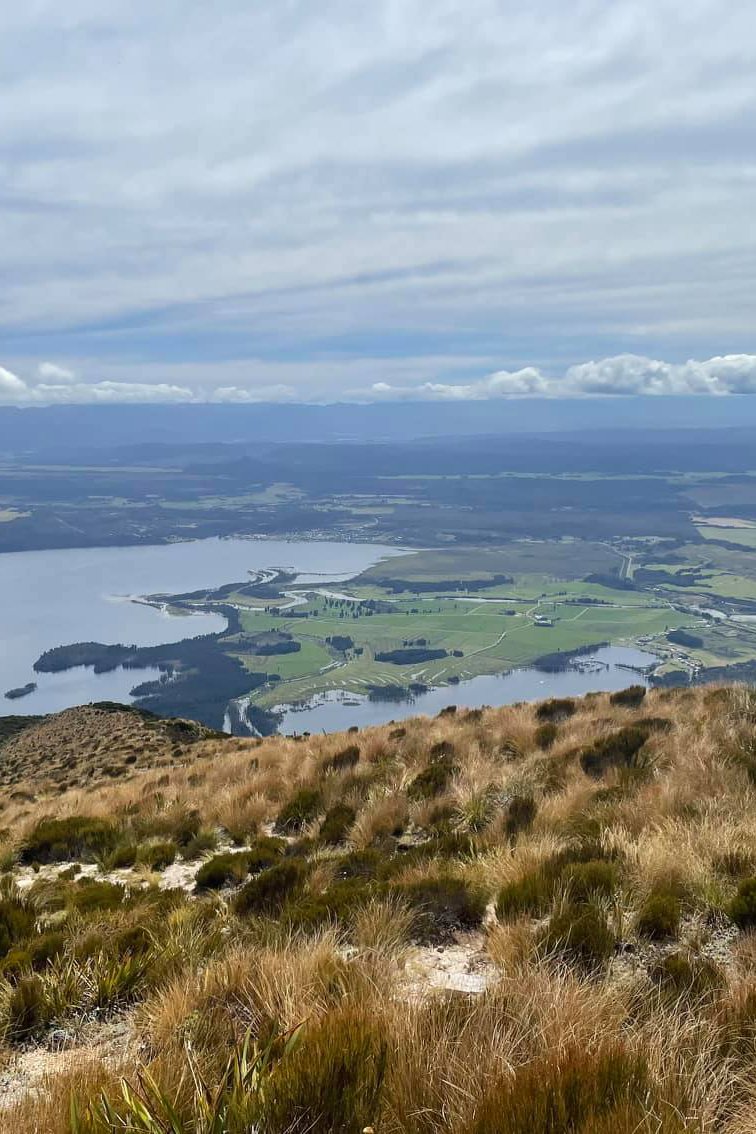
743,536
565,559
491,636
494,628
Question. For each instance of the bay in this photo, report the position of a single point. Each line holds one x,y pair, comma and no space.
606,670
54,598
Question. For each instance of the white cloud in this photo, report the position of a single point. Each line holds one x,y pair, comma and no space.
626,374
622,375
51,372
256,394
12,387
15,391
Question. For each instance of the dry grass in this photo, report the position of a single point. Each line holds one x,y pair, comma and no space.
634,1031
91,744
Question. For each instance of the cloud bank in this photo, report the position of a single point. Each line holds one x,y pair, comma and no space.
625,375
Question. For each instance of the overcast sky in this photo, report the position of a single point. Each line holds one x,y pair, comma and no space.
281,199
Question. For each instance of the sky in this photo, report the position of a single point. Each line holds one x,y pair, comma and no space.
276,200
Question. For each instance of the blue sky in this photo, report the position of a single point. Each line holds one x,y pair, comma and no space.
281,200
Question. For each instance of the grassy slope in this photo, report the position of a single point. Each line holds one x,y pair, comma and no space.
91,743
596,893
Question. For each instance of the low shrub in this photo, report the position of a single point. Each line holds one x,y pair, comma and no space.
16,920
443,845
588,880
579,870
233,867
336,824
510,750
88,895
133,940
344,760
556,709
440,816
630,698
336,905
222,870
619,750
301,809
444,905
269,891
122,858
432,781
531,894
521,812
266,851
579,932
659,916
361,864
201,843
78,837
683,975
15,963
299,848
442,750
545,735
742,908
157,856
24,1010
656,724
44,947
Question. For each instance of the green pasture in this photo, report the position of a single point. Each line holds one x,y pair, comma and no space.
491,641
560,558
744,537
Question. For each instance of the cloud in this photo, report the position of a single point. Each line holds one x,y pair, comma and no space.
624,375
11,386
16,391
51,372
257,394
336,184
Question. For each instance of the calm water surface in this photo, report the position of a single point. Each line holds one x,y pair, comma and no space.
52,598
603,671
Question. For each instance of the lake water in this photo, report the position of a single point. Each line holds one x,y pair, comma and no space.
604,671
53,598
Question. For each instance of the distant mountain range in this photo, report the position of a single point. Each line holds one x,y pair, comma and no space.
63,429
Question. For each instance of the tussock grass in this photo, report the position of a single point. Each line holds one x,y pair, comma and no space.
597,855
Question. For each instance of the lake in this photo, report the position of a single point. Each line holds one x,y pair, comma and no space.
53,598
606,670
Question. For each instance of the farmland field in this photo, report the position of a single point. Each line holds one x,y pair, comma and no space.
485,631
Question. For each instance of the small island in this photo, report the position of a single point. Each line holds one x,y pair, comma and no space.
21,691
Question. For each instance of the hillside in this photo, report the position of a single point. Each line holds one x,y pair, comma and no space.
524,920
90,743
